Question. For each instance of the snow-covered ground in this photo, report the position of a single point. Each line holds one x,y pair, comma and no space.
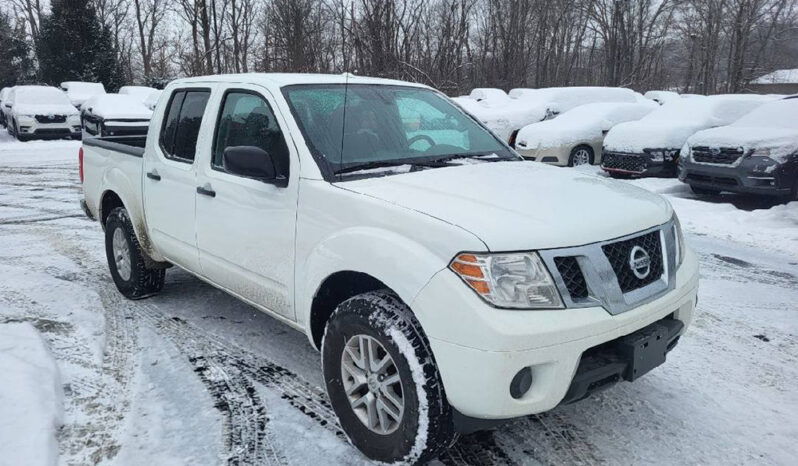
193,376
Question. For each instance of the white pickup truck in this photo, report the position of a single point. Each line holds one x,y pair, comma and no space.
448,283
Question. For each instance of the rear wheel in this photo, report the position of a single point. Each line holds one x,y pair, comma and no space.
581,155
704,191
383,382
126,261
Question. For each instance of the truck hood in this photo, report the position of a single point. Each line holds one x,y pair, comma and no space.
522,205
634,136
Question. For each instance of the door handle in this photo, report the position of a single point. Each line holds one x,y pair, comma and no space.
206,191
153,175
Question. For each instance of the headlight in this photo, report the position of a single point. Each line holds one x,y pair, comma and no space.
657,155
25,117
509,280
677,233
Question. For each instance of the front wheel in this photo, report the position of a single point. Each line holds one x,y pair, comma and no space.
580,155
126,261
382,380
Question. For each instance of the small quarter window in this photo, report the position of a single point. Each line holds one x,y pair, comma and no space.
182,124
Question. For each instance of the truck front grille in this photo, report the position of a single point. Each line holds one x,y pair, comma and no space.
572,276
621,255
51,118
717,155
632,163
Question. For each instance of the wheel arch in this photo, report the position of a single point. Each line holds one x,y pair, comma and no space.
335,289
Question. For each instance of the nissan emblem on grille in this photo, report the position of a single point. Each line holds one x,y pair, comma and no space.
640,262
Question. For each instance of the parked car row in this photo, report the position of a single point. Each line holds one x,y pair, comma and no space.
736,142
77,109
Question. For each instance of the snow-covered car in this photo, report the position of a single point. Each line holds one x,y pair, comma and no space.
576,136
557,100
505,115
115,115
757,154
79,91
661,97
4,94
152,99
42,112
139,92
501,114
448,285
651,145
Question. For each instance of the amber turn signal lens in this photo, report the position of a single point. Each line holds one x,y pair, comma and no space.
468,270
479,286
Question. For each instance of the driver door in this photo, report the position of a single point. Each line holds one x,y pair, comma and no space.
246,227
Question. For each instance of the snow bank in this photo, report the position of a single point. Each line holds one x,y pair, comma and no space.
111,106
31,398
581,124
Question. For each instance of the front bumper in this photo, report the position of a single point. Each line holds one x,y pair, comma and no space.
637,164
479,349
35,129
551,155
752,175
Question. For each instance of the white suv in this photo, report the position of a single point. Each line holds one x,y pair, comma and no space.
41,112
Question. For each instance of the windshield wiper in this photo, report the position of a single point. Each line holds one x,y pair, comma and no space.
371,165
490,157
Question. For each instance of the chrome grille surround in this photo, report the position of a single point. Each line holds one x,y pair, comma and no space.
602,283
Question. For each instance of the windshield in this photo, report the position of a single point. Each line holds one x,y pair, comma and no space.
40,96
695,109
779,114
364,125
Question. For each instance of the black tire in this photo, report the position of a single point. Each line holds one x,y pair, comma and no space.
384,317
143,281
704,191
591,157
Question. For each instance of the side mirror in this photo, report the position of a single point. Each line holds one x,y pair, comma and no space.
252,162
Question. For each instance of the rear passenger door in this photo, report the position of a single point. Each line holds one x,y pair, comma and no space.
246,227
170,184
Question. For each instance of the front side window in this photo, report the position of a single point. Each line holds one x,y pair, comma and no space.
182,124
246,119
368,125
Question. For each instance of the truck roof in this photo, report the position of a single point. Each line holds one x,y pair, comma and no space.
287,79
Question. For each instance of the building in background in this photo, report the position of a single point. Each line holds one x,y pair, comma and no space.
777,82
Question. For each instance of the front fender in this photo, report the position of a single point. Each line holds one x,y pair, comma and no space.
402,264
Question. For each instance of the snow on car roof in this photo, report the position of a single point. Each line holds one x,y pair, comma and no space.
486,93
142,91
80,87
562,99
287,79
117,106
39,95
584,123
781,113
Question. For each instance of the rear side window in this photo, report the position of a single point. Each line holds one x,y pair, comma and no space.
182,124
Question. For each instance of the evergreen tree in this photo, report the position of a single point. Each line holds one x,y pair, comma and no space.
14,54
75,45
